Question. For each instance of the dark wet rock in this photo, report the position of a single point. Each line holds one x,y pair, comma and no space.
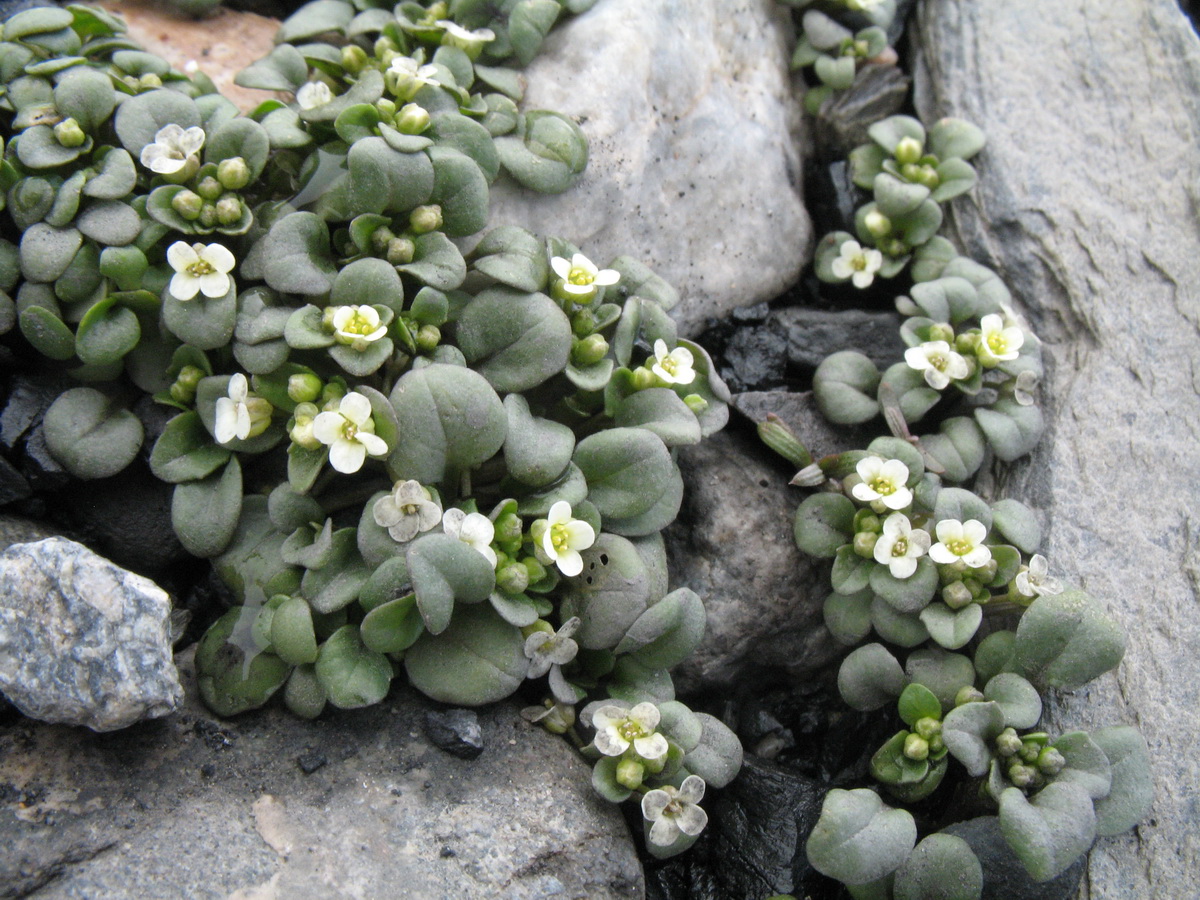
456,731
834,196
82,641
878,91
20,530
1005,877
813,334
798,411
756,357
29,397
13,485
311,762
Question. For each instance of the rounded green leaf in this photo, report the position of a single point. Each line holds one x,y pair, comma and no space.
1018,524
1064,641
870,677
895,627
205,513
717,756
292,633
479,659
394,626
611,592
1132,792
383,180
918,702
514,257
352,675
942,867
1086,764
1012,430
662,412
668,632
536,450
958,447
995,654
858,838
515,340
106,333
547,153
961,504
233,672
89,435
140,117
1019,700
48,334
969,730
824,522
952,628
185,451
907,595
848,616
628,472
1049,831
844,387
445,570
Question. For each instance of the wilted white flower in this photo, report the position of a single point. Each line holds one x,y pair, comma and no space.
407,511
857,263
470,42
407,76
349,433
313,94
233,414
173,146
617,729
938,363
883,481
674,367
997,343
545,649
474,528
674,811
564,537
1035,580
581,276
960,541
199,269
900,545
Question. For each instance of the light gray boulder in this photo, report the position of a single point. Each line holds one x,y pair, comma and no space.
694,164
83,641
1086,206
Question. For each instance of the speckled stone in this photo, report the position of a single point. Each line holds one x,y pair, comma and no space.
82,641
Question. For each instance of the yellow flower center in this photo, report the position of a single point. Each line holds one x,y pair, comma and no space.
858,262
960,547
997,343
560,536
900,548
200,267
630,730
580,276
349,430
358,324
883,486
939,361
669,365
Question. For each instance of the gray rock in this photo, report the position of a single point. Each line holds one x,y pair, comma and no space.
756,357
1005,877
877,92
190,807
729,547
799,412
82,641
1085,206
456,731
694,162
20,530
813,334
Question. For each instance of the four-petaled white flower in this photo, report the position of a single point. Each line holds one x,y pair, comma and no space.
411,75
858,263
960,541
617,728
1035,580
997,343
938,363
565,537
173,146
349,433
357,326
674,367
883,481
474,528
233,414
199,269
407,511
581,276
674,811
313,94
900,545
545,649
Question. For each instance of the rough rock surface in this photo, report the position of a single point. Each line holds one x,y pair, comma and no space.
694,164
82,641
1086,205
193,807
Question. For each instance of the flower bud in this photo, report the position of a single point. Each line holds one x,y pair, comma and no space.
229,209
583,323
1021,776
643,379
428,337
928,727
149,82
941,332
776,435
538,530
630,773
184,388
384,49
968,694
301,431
354,58
877,224
260,410
512,579
928,176
589,351
412,119
559,719
864,544
966,343
916,747
425,219
188,204
208,216
209,188
936,744
908,151
1008,743
987,572
911,173
956,595
1030,751
69,133
304,387
1050,761
508,527
536,570
233,173
332,394
327,315
380,238
697,404
400,251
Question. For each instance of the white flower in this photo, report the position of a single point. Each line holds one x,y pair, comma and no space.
545,649
313,94
233,414
1024,386
357,326
674,811
674,367
410,76
407,511
960,541
474,528
997,343
938,363
857,263
349,433
617,728
900,545
199,269
581,276
463,38
882,481
172,148
565,537
1035,581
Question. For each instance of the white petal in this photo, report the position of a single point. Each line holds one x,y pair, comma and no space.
898,499
374,444
347,456
327,427
428,515
978,557
883,550
191,140
653,804
850,249
920,539
569,562
897,526
214,284
452,521
386,513
660,349
225,422
238,388
916,358
477,529
974,531
605,277
183,286
219,258
181,255
561,267
841,268
646,715
894,471
559,512
534,643
356,408
692,820
862,279
692,789
949,530
608,716
653,747
935,379
939,553
864,492
609,743
580,535
901,567
578,288
664,832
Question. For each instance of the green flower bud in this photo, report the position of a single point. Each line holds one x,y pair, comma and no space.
559,719
928,727
654,766
643,379
327,315
425,219
941,332
208,216
908,151
583,323
380,238
304,387
968,694
916,747
229,209
1050,761
387,108
776,435
512,579
400,251
428,337
354,58
412,119
911,173
697,404
928,176
877,224
536,570
538,625
987,572
149,82
1008,743
1021,776
384,49
69,133
332,394
233,173
936,744
864,544
590,350
184,388
509,527
966,343
1030,751
630,773
893,247
188,204
209,188
956,595
866,520
538,530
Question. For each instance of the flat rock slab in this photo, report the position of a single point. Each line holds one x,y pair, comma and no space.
1086,206
269,807
694,161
